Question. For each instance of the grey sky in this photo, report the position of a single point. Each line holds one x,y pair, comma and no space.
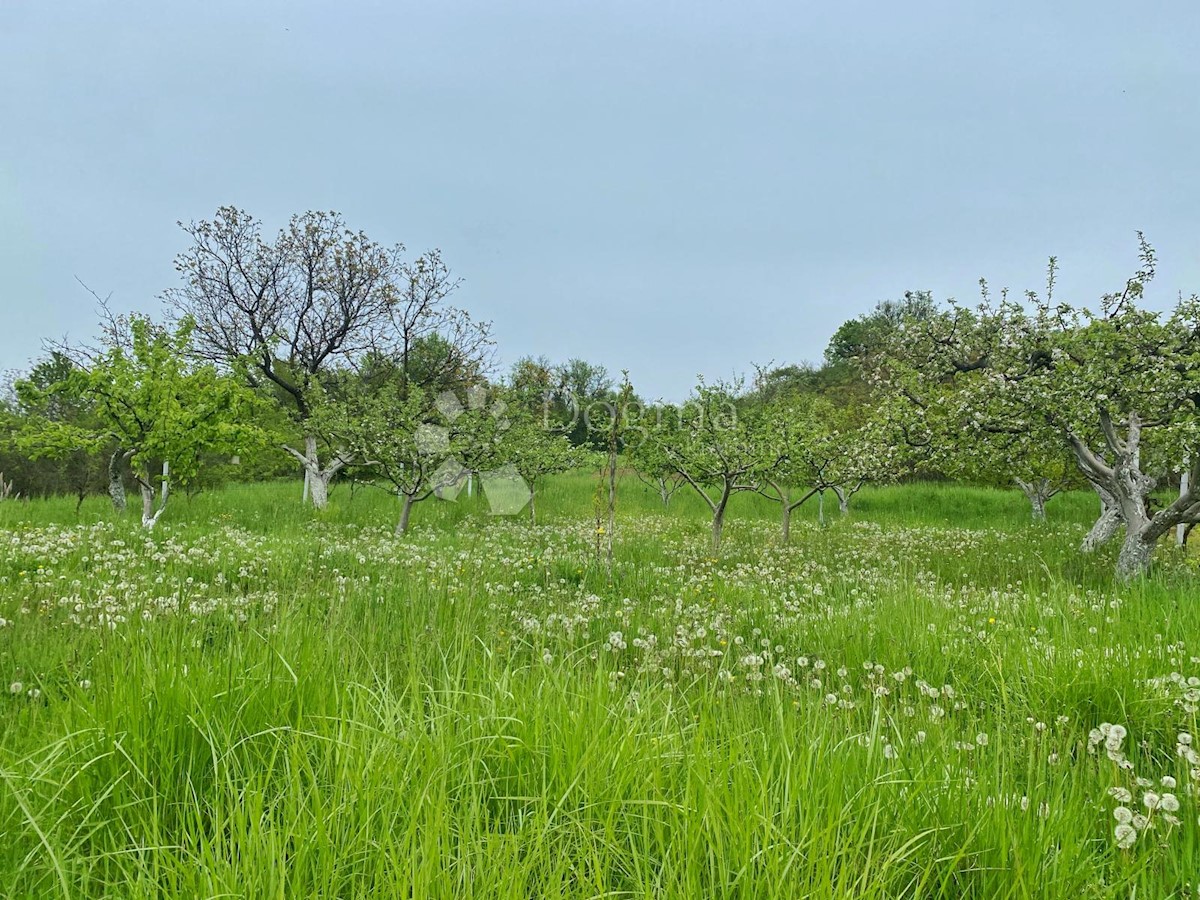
664,186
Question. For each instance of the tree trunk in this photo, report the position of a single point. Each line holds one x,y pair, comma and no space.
821,508
150,515
116,485
1136,553
612,496
843,499
406,505
1181,530
785,530
663,493
316,479
318,485
532,506
319,488
1105,527
1037,492
1129,488
718,523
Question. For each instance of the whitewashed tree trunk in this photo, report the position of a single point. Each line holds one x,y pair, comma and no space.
116,483
150,515
166,481
821,508
1037,491
843,497
316,479
319,489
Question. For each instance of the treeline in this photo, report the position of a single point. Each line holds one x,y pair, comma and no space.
264,336
318,350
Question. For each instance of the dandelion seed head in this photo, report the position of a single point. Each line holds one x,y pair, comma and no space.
1125,835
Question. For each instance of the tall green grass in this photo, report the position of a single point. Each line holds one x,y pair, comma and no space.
477,709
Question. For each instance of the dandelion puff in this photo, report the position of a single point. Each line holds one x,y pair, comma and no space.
16,687
1123,815
1125,836
1151,800
1120,794
1168,803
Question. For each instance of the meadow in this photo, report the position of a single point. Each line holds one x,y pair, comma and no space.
932,697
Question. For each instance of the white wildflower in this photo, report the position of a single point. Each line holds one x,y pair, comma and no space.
1125,836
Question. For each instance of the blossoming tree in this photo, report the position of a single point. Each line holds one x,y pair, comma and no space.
1117,387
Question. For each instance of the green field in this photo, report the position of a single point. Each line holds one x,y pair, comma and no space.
258,701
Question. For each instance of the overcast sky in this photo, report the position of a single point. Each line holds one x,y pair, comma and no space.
669,187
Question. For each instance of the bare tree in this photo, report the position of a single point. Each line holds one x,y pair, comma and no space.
317,298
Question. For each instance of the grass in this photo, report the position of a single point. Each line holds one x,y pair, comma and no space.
258,701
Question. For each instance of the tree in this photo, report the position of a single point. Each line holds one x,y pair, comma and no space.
438,346
76,470
812,445
654,468
390,429
1118,386
1036,460
317,298
866,335
940,433
534,452
151,403
711,447
575,398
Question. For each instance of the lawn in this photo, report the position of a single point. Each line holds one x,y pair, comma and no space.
931,697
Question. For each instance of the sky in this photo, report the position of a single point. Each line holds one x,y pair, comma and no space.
672,188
